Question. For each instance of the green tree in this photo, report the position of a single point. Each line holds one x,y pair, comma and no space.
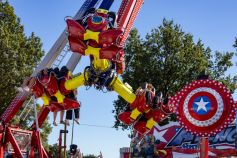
235,44
53,150
169,58
19,54
46,130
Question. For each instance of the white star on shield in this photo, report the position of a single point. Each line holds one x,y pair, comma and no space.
201,105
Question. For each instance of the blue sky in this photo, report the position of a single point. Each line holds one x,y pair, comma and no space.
214,22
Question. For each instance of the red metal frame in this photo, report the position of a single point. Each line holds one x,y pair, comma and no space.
2,147
42,116
10,139
36,143
14,107
6,136
44,111
127,13
60,144
60,141
204,147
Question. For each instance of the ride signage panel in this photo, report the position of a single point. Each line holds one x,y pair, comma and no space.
204,107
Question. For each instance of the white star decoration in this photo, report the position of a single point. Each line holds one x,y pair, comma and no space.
159,135
201,105
160,131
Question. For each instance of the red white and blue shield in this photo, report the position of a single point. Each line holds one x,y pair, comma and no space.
204,107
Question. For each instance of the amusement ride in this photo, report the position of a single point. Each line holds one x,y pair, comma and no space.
204,107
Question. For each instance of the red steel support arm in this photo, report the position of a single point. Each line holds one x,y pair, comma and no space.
10,138
127,14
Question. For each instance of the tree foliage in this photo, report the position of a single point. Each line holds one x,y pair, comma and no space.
53,150
19,54
169,58
235,44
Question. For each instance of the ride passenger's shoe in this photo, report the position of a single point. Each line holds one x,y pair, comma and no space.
62,122
77,121
55,123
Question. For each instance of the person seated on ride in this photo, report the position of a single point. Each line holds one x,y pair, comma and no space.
158,113
55,113
48,79
36,87
33,86
143,104
69,113
64,75
69,103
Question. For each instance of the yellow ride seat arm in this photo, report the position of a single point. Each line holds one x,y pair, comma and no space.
45,99
93,51
150,123
76,81
91,35
101,64
103,11
135,113
60,97
123,90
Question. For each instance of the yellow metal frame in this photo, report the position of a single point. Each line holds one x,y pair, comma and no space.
103,11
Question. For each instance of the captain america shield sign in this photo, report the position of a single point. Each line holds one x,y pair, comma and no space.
204,107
